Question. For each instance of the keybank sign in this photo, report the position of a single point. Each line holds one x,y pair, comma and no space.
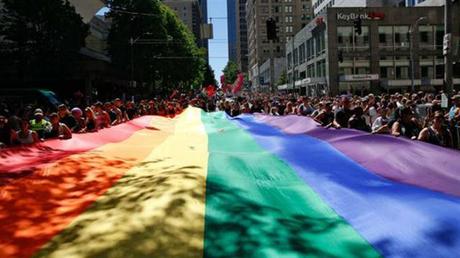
365,16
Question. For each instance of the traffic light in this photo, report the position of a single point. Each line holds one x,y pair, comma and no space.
358,24
271,29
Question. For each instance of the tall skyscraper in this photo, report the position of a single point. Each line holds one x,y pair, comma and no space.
192,14
241,36
413,2
204,18
290,17
232,30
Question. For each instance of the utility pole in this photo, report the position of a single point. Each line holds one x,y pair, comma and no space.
293,63
131,43
272,62
447,46
412,30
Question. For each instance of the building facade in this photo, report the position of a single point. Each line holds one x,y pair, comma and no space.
241,36
232,30
321,5
189,11
393,52
414,2
290,17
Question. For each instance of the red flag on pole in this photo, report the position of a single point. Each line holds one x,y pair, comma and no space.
174,93
211,91
222,81
238,83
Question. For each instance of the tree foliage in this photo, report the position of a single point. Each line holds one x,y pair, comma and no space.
164,50
283,78
209,76
231,72
42,37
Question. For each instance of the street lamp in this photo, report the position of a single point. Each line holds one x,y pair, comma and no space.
411,47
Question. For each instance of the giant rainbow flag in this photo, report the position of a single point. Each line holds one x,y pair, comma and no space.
206,185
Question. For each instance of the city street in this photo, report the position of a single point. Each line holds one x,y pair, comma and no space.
229,128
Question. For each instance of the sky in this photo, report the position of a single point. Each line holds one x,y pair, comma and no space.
218,47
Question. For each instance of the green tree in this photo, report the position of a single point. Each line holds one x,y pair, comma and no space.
231,72
283,78
209,76
164,50
43,37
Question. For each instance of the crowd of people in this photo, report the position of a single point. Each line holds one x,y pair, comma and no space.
31,125
419,116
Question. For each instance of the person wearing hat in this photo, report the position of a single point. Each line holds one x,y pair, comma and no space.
39,124
436,133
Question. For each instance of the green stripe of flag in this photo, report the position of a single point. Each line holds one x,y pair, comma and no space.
256,205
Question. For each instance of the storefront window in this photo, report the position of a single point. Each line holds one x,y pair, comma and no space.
386,37
401,37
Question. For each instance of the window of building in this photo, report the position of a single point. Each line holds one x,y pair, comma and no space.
302,53
320,43
439,67
426,37
345,38
361,42
402,67
387,70
386,37
321,68
289,60
427,67
311,71
310,49
296,56
362,65
346,67
439,36
401,35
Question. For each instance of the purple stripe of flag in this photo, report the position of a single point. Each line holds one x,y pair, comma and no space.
399,159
